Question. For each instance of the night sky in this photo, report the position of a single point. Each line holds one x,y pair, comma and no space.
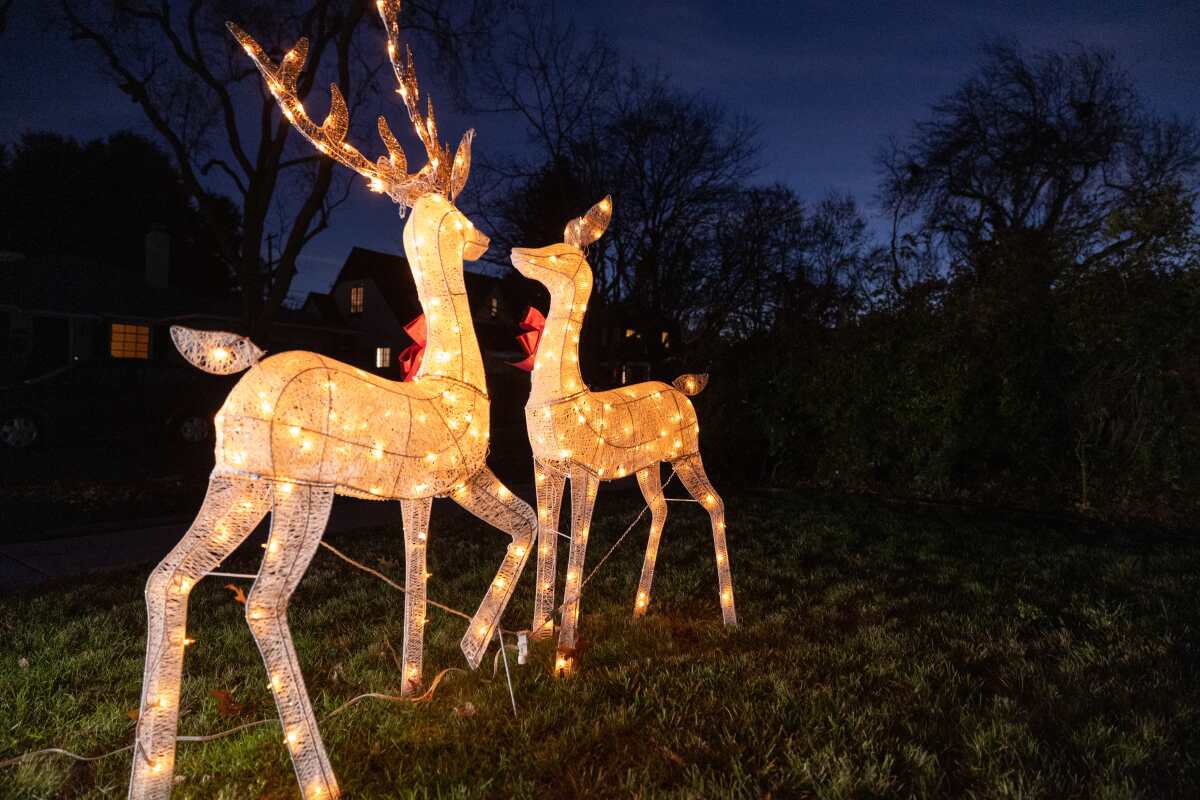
827,82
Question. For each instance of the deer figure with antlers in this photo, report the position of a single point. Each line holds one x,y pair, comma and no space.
299,428
596,436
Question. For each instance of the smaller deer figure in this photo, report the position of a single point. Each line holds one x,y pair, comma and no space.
596,436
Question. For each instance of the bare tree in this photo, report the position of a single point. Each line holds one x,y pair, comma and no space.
1049,154
670,159
179,64
5,7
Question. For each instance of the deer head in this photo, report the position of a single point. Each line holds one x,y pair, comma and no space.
442,174
561,266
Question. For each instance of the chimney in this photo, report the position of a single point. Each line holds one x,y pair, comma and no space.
158,258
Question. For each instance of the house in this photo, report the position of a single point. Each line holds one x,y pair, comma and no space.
110,328
59,311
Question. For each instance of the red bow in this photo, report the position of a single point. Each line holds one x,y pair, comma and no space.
533,325
410,357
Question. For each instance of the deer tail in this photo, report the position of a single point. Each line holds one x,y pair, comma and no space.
218,352
690,384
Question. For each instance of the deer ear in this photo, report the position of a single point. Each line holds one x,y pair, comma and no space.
582,231
462,165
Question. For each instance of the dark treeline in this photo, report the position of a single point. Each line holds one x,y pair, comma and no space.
1029,335
1026,333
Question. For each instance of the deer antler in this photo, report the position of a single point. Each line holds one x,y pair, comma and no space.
449,176
387,173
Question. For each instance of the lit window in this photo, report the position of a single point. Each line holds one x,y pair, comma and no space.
383,357
129,341
629,332
665,337
356,299
493,305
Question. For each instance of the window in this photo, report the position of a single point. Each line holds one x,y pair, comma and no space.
356,298
666,337
383,357
129,341
493,305
629,333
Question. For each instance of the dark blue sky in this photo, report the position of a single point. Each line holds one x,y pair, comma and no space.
827,82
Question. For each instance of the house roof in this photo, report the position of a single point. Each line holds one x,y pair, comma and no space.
323,306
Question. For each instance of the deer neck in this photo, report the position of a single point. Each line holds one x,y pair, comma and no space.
451,349
556,367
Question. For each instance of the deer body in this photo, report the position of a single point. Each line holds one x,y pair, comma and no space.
299,428
304,417
361,449
595,436
612,433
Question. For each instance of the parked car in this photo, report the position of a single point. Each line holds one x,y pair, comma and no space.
112,400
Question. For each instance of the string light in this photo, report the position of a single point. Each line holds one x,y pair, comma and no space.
279,450
571,435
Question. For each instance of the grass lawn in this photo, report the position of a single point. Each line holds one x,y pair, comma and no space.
881,653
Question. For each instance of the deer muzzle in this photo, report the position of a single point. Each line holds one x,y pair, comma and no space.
476,244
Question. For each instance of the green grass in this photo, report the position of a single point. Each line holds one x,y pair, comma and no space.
881,653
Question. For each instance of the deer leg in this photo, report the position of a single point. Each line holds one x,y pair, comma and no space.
298,520
231,510
583,498
650,482
549,486
416,533
691,473
485,497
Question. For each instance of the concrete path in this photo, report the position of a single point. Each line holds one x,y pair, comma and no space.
25,564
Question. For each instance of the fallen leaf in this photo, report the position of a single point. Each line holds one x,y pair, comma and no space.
226,706
238,594
133,714
23,662
467,709
673,756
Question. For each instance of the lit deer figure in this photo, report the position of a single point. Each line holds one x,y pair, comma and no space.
595,436
299,428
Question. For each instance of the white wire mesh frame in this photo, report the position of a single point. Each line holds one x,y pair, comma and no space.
590,437
299,512
302,427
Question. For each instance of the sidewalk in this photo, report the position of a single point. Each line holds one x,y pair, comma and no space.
25,564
